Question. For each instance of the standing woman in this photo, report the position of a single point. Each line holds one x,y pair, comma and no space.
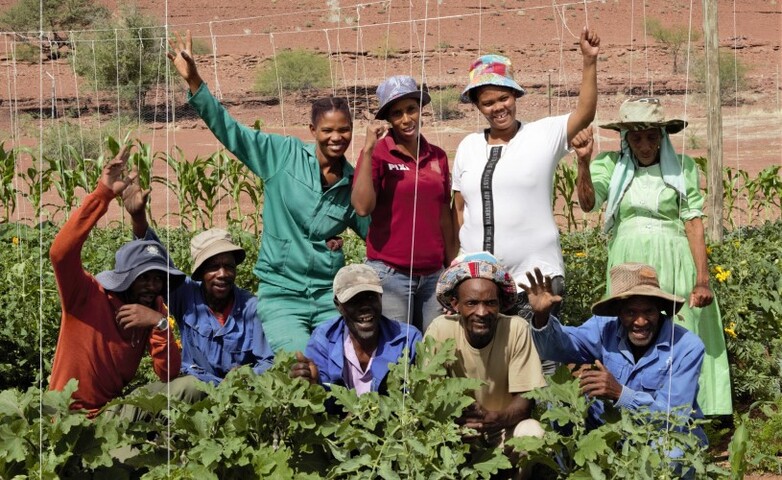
653,213
306,205
396,175
503,176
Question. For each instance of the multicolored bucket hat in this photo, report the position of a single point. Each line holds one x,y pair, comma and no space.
643,114
476,265
491,70
396,88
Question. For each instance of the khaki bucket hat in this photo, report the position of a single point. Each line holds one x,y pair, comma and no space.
643,114
212,242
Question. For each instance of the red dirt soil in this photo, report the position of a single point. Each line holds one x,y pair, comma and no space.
540,37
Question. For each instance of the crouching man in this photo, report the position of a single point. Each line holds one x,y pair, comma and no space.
641,358
355,349
110,320
490,346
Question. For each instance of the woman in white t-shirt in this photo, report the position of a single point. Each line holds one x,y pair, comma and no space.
502,177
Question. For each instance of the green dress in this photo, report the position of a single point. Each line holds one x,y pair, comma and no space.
649,228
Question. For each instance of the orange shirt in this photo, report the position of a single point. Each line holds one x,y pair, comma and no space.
90,347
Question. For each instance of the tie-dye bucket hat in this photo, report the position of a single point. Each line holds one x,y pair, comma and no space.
491,70
476,265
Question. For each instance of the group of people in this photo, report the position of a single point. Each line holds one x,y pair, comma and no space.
469,253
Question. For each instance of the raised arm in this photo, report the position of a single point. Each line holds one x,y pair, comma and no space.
583,144
363,196
65,251
587,97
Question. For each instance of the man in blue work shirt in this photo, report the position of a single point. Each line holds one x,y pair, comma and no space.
640,358
355,349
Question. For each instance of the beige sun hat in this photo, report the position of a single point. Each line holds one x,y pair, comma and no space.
212,242
353,279
629,280
642,114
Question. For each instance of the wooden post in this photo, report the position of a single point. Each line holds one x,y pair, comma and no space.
713,121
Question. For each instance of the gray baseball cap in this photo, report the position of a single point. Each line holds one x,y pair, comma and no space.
351,280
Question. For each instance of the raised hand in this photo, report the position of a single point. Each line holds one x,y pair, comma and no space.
115,176
590,44
376,130
541,297
133,197
583,144
181,55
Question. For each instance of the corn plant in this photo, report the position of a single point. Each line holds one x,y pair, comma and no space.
564,187
7,175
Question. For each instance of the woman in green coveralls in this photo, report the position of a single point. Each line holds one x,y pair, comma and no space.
653,213
306,205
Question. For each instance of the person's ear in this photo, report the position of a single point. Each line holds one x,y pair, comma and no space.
454,303
313,129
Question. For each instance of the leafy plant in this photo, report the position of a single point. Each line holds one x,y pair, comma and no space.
732,74
630,444
445,103
126,55
291,71
674,38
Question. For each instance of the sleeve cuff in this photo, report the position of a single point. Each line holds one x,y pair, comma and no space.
626,398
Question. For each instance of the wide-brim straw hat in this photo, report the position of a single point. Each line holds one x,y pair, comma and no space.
634,279
643,114
212,242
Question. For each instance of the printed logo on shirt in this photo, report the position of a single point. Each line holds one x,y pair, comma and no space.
397,166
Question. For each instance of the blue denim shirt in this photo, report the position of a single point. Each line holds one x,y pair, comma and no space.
326,350
211,350
665,377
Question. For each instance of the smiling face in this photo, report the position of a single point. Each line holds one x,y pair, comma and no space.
146,288
477,301
362,315
645,145
333,132
218,274
403,115
498,105
640,317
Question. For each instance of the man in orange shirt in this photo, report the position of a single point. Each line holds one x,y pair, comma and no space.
110,319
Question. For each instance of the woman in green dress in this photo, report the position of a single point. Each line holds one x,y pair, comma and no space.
653,214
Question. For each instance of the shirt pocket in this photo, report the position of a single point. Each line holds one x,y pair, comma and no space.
331,221
654,379
274,252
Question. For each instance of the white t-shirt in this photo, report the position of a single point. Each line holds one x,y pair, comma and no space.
525,234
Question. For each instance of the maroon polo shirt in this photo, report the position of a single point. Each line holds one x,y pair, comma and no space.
390,237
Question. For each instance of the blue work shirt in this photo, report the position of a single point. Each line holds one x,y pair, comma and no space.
211,350
664,378
326,349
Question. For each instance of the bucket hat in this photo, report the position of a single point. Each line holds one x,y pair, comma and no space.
396,88
137,257
476,265
629,280
351,280
643,114
491,70
212,242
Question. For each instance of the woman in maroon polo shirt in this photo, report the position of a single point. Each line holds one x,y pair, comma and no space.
406,189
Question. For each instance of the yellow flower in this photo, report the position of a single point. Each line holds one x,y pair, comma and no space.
722,275
179,343
171,322
730,330
581,254
736,243
15,240
709,250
